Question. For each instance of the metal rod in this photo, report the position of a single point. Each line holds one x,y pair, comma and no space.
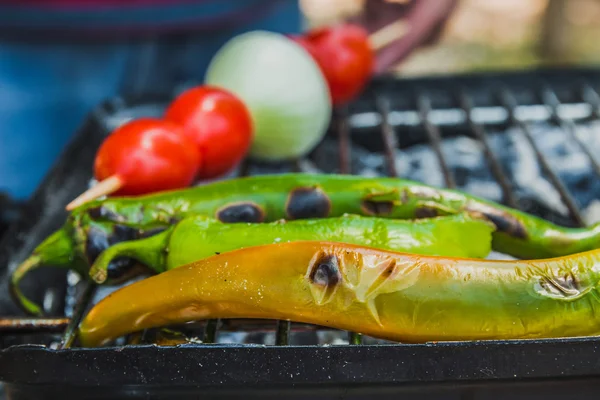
510,103
32,325
71,332
388,136
592,97
282,337
343,132
355,338
210,331
496,168
567,125
244,168
435,138
296,165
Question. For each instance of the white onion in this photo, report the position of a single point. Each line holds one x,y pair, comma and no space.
282,87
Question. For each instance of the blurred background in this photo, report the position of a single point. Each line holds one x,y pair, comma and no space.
494,34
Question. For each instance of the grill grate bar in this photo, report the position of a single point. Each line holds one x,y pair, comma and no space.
82,303
210,331
481,134
435,139
592,97
33,325
282,336
567,125
355,338
510,103
389,137
343,131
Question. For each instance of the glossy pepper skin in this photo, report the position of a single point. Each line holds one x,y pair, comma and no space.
198,237
380,293
296,196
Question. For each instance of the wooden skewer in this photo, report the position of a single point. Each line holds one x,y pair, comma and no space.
105,187
389,33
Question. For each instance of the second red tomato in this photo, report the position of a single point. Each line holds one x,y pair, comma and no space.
218,122
345,57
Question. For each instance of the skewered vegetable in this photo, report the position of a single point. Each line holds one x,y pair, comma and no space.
198,237
143,156
218,122
282,87
345,56
380,293
296,196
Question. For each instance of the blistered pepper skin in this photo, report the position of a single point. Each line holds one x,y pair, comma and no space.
300,196
198,237
384,294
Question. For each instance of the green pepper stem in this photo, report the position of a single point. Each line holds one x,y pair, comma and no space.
149,251
31,263
56,251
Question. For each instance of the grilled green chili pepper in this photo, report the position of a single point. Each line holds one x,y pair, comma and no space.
198,237
380,293
302,196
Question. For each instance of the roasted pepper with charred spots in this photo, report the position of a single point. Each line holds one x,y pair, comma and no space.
198,237
380,293
302,196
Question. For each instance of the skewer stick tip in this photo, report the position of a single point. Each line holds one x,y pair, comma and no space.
105,187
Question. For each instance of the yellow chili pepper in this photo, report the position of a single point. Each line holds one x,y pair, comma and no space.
396,296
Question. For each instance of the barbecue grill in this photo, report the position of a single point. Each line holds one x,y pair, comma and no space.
491,134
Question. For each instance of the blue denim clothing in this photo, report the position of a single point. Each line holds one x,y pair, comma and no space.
47,87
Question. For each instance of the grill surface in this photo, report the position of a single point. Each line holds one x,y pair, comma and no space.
390,120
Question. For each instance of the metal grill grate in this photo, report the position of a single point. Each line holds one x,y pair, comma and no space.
423,112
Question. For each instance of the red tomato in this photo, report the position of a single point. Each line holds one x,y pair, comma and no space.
218,122
148,155
345,57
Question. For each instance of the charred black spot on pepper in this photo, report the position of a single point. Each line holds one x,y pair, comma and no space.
241,212
307,202
507,224
122,233
325,271
119,267
377,208
503,221
426,212
103,213
97,241
387,272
